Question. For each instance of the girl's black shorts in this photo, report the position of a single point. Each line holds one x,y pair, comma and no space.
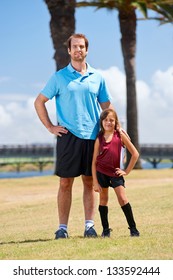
106,181
73,156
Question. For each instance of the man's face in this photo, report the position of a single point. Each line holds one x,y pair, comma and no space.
78,50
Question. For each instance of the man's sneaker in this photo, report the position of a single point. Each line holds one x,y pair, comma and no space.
134,231
106,232
61,233
90,232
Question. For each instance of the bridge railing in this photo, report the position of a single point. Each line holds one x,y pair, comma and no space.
7,151
161,151
19,155
47,150
42,153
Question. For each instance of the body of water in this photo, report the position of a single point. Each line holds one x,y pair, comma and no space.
24,174
161,165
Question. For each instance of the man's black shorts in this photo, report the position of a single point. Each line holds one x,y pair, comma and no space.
106,181
73,156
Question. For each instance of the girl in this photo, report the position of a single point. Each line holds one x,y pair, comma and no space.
106,169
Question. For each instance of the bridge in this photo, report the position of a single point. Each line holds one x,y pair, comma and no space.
42,154
155,153
19,155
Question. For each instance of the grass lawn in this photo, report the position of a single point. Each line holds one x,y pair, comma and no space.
28,213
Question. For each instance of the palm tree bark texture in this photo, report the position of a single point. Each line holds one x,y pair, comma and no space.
62,26
127,21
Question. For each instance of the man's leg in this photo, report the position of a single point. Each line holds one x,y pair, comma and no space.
64,199
89,206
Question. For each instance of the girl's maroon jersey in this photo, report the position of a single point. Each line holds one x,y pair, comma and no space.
109,155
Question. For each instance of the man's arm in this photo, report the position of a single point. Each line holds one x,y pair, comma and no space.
44,117
106,105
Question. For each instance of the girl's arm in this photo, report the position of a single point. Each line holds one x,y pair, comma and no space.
96,185
134,156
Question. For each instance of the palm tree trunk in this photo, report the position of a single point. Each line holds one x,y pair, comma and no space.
62,26
127,20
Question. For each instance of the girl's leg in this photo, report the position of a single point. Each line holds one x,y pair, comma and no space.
121,195
126,207
104,197
103,209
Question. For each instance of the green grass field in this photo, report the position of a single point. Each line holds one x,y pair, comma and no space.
28,215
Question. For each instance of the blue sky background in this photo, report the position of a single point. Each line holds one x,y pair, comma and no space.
26,63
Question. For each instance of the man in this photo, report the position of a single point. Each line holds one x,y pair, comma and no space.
79,92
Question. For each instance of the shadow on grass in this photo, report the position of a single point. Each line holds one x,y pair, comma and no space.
79,237
25,241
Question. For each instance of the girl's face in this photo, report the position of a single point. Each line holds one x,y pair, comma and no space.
109,123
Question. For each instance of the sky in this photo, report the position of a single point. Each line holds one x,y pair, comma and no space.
26,64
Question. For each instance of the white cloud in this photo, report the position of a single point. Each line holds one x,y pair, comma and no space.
162,89
5,118
19,123
155,103
116,83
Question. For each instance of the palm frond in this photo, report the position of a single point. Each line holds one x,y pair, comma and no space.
163,8
142,7
110,5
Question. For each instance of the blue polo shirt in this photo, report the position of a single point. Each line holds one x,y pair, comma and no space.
77,99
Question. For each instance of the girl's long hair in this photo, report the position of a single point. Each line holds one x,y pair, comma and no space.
104,115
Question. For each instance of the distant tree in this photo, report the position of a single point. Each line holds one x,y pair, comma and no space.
128,23
62,25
